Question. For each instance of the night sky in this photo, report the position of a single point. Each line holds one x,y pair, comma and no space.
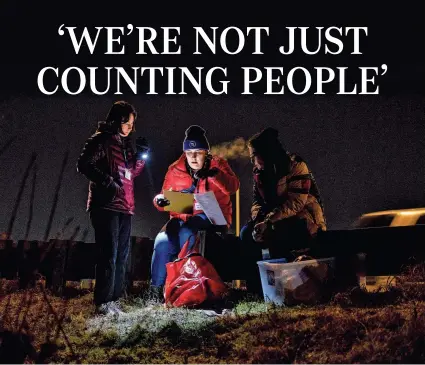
366,151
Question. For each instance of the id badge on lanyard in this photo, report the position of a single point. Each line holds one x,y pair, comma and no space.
127,172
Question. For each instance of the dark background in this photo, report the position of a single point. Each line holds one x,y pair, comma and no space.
367,151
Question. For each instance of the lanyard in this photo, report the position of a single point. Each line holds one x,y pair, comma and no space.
189,190
124,153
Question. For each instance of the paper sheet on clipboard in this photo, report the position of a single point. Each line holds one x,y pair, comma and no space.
210,206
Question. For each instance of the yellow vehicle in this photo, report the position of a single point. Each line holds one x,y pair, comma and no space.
391,218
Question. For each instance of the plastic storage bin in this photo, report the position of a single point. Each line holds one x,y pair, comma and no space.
296,282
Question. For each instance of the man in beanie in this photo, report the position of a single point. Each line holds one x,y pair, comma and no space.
196,171
286,210
110,164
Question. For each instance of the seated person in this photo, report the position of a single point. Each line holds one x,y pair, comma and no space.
196,171
286,211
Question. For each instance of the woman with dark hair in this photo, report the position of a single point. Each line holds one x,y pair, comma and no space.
110,164
286,211
196,171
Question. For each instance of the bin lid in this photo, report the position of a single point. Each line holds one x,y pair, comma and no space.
279,262
273,261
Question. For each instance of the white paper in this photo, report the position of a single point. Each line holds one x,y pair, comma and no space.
197,206
210,206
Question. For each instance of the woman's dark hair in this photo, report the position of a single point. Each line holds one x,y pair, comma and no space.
119,114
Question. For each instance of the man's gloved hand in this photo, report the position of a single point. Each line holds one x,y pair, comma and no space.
258,217
142,148
262,231
258,232
161,201
204,173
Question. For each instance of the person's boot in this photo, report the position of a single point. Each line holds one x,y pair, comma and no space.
254,290
155,294
109,308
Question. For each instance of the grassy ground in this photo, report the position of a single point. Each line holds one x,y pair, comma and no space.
355,327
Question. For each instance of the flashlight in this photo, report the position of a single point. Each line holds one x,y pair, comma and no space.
142,148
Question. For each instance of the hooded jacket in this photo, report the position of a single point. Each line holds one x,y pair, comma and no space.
224,184
293,192
108,158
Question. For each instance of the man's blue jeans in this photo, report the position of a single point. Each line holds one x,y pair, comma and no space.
169,242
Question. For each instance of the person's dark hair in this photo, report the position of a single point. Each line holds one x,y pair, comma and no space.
266,143
119,114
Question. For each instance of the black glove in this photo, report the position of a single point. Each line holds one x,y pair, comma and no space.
114,187
111,182
162,202
204,173
142,148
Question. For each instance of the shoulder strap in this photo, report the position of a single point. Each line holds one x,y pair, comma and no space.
314,189
186,251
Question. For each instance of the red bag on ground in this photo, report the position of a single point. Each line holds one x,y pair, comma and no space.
191,279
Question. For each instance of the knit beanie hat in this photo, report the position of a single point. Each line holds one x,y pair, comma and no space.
266,142
195,139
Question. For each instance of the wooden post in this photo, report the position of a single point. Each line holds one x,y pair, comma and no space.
237,283
238,213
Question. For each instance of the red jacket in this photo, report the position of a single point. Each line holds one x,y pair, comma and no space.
224,184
